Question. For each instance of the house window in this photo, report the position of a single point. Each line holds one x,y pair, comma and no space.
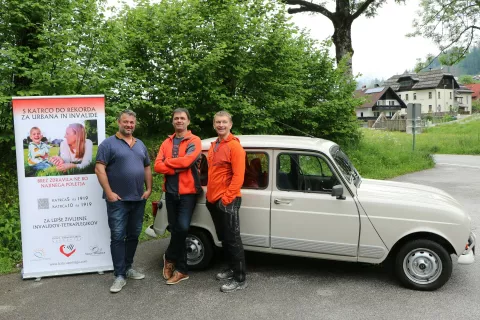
376,114
391,103
450,95
430,95
438,94
361,114
406,97
430,108
400,96
414,96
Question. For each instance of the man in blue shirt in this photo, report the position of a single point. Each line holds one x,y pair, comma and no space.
123,168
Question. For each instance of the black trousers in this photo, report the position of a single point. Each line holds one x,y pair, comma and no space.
227,225
180,210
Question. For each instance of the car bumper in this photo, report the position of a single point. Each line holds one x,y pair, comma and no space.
468,256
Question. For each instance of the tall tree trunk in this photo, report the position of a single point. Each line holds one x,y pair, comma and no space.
342,39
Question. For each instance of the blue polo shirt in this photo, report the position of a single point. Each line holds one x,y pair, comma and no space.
124,166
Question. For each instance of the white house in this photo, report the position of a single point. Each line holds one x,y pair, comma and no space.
435,90
376,100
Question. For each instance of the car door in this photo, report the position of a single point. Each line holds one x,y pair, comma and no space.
304,215
256,193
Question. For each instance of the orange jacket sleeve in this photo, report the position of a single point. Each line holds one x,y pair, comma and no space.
238,167
160,166
193,151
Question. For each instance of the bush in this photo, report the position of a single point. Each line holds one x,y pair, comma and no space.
10,235
447,118
476,106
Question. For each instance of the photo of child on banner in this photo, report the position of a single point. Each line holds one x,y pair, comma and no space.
53,155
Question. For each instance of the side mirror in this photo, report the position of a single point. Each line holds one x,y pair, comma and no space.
337,191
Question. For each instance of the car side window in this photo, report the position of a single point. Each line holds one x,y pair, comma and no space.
256,170
308,173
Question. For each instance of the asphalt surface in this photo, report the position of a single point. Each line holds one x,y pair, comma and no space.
280,287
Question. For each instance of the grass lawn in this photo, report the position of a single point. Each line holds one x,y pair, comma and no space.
387,154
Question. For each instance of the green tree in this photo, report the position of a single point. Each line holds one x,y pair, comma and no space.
49,47
243,57
466,79
451,24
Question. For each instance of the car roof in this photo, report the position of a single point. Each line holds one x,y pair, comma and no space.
277,142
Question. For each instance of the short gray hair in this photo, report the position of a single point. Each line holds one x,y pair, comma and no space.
223,113
127,112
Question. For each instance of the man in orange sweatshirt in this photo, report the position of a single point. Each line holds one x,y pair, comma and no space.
226,170
177,159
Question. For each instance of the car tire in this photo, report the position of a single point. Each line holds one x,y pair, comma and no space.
423,265
199,249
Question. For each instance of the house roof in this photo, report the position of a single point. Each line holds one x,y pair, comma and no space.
374,94
475,87
422,80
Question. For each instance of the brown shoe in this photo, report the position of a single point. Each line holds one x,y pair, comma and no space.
177,277
168,268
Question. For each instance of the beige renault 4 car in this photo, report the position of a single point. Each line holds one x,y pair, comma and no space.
303,197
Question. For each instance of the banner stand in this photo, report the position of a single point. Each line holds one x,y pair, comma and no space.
63,216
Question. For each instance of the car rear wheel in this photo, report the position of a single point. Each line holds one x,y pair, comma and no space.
199,249
423,265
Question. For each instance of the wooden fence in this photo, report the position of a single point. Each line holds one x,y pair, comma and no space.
389,125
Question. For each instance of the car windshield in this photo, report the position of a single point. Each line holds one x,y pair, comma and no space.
346,166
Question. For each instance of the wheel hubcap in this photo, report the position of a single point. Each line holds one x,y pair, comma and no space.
195,250
422,266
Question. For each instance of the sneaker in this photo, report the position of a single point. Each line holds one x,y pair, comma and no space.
118,284
177,277
133,274
233,285
226,274
168,268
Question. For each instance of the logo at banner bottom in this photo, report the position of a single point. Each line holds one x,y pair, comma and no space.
67,251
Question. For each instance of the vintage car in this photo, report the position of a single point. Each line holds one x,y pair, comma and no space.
303,197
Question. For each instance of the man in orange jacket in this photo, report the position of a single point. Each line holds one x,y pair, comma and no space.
226,170
177,159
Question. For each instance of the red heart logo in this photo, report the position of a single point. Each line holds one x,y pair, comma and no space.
70,247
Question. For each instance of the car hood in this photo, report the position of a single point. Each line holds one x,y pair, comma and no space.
397,209
401,191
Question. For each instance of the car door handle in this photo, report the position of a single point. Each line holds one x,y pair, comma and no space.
281,201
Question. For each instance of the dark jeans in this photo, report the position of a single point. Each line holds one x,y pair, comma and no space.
125,220
180,210
227,225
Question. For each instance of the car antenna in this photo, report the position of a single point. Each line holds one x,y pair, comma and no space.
289,126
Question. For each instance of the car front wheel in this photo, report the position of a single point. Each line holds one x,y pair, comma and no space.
423,265
199,249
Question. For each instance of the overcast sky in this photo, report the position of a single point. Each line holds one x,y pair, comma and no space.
381,47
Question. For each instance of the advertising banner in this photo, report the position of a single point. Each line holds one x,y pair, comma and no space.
63,216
